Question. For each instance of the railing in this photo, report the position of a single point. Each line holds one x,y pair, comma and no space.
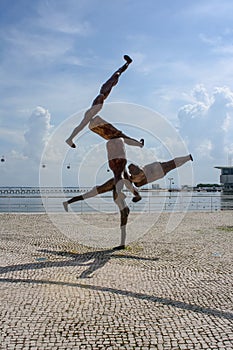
152,201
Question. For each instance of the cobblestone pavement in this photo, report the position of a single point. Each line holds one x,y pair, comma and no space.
162,292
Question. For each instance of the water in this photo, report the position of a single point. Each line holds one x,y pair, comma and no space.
35,200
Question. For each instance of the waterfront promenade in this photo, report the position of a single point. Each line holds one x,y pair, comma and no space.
165,291
35,200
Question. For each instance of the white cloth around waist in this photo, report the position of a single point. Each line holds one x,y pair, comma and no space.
116,148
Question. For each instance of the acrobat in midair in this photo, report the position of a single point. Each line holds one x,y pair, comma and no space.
97,105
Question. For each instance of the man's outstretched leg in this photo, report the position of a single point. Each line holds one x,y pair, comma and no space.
108,131
175,163
106,187
98,102
113,80
141,176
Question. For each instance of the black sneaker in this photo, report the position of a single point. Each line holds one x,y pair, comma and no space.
136,199
70,143
119,247
65,205
128,59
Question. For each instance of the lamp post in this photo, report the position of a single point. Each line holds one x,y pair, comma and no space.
170,183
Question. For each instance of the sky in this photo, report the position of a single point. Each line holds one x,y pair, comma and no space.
177,93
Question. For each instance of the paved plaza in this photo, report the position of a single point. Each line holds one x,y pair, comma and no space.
164,291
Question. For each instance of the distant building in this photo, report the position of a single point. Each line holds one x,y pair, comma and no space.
208,188
226,178
187,188
155,187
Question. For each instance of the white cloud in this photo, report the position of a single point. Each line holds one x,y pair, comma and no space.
61,23
200,95
37,135
219,44
71,18
207,125
210,9
213,41
204,149
27,45
11,136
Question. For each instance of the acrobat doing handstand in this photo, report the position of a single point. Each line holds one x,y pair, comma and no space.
138,176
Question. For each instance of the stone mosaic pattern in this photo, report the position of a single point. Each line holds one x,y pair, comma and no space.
165,291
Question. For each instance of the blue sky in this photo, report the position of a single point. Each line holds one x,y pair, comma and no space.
55,54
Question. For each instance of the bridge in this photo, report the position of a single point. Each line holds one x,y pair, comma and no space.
28,191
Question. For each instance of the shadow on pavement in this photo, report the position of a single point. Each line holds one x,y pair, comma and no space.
100,258
140,296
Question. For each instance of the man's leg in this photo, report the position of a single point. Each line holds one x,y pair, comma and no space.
113,80
89,114
119,198
108,131
124,213
132,142
175,163
106,187
99,100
